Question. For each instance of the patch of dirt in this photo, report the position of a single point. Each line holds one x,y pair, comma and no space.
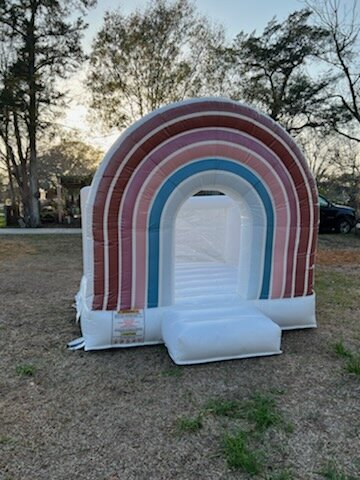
15,249
112,415
338,257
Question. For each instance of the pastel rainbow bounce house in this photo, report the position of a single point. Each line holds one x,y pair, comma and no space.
214,277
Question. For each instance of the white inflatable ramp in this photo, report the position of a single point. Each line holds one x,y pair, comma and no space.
209,335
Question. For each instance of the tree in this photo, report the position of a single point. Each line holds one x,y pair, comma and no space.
320,152
7,156
345,177
218,72
343,55
44,45
272,70
147,59
70,156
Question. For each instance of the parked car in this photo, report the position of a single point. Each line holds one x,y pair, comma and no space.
357,227
339,218
48,214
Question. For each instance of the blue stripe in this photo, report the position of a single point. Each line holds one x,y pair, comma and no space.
161,198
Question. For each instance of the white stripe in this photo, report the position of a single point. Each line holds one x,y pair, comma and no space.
241,149
227,178
302,171
129,132
215,172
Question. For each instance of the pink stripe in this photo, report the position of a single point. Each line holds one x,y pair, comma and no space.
180,142
160,119
181,160
223,151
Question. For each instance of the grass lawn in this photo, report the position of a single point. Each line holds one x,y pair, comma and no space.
132,414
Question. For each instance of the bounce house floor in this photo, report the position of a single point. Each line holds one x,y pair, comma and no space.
205,283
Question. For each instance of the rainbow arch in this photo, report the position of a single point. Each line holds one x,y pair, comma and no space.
162,197
129,214
127,188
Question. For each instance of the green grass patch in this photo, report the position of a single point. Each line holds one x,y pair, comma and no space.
262,411
7,440
223,408
352,359
239,456
26,370
189,424
353,364
252,417
173,372
332,472
341,351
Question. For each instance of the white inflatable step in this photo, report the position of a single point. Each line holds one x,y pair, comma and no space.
209,335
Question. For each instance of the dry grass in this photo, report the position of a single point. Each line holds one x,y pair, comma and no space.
340,257
15,249
113,415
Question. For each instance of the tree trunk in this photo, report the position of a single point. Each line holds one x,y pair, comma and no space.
25,195
10,165
14,205
34,209
23,177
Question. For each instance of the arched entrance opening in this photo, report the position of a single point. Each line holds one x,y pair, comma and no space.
207,247
245,211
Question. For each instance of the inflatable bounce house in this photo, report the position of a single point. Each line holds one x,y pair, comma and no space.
199,231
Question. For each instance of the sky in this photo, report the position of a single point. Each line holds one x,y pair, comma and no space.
234,15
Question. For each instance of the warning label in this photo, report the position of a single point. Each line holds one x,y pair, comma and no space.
128,327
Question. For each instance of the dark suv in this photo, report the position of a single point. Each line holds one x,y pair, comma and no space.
336,217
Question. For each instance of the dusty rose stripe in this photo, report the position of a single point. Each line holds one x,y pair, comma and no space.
144,129
113,265
104,186
183,158
126,295
213,151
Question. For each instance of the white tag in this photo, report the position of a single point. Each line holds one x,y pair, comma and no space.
128,327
